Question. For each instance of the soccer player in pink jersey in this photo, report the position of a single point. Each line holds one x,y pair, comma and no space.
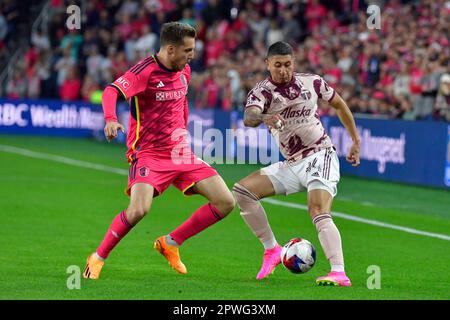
287,103
156,89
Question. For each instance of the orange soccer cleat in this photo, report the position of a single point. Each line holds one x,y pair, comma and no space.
171,253
93,267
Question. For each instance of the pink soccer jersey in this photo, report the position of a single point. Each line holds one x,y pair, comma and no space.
158,107
296,102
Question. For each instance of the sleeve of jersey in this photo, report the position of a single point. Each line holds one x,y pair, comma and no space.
131,84
109,99
326,92
255,98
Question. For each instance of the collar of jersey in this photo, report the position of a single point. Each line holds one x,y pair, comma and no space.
161,65
282,85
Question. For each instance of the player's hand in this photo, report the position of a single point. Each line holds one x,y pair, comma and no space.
275,121
111,129
353,154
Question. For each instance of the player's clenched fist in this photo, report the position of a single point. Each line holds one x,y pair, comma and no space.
274,121
353,155
111,128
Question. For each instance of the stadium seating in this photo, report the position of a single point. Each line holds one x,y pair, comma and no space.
400,70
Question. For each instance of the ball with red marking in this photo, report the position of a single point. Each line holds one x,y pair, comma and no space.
298,255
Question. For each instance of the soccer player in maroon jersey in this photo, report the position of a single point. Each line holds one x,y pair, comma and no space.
156,89
287,103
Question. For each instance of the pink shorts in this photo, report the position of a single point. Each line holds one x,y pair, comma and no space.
162,172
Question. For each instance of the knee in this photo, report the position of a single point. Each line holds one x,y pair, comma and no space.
226,204
247,201
135,213
315,209
229,203
236,194
243,195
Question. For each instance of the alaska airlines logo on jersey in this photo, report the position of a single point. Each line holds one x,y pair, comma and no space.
291,112
121,82
170,95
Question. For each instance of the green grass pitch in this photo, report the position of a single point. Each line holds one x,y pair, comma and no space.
54,214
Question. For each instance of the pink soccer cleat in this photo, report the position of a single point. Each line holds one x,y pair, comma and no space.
270,260
334,279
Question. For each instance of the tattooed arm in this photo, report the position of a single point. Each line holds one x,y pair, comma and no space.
253,117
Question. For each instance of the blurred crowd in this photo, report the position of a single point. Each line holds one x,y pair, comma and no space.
400,70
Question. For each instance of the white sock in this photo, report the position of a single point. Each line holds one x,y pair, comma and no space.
337,268
270,244
254,216
171,242
98,257
330,240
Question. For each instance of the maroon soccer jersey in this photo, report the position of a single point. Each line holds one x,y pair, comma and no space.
158,107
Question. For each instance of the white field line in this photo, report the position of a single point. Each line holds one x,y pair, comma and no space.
362,220
100,167
61,159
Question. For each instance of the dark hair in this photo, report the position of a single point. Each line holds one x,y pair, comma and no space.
174,33
280,48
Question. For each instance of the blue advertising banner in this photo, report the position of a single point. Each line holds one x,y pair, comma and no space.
447,164
395,150
49,117
221,137
416,152
200,125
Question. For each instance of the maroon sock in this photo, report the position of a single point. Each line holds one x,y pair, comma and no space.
201,219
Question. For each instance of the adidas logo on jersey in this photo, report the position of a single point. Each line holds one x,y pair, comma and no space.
160,84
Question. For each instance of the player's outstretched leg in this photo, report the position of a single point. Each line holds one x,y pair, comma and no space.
255,217
271,259
221,203
116,231
170,252
94,265
329,237
330,240
140,201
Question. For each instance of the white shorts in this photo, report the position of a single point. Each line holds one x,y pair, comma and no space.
317,171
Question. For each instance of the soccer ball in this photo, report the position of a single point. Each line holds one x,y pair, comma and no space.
298,255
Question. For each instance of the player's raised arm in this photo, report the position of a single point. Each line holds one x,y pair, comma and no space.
109,100
346,118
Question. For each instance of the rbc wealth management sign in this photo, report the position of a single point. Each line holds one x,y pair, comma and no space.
50,117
